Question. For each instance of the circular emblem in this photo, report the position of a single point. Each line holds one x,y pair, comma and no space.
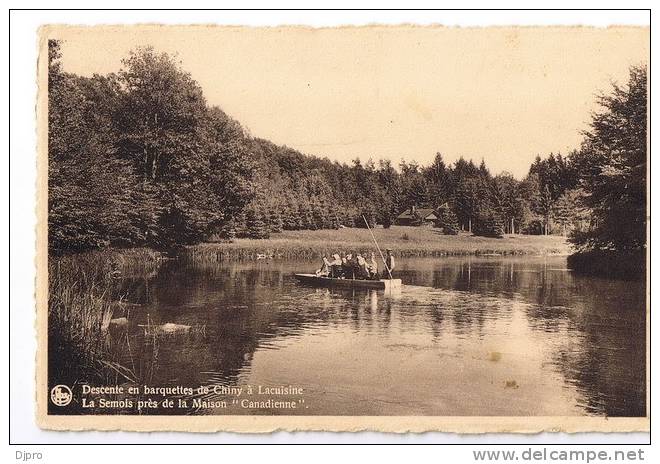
61,395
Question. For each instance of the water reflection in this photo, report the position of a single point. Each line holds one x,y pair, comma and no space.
515,336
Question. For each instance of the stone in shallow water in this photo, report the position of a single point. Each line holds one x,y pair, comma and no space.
119,322
174,328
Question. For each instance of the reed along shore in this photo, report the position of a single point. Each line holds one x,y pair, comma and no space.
84,295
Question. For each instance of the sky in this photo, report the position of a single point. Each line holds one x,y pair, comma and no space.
503,95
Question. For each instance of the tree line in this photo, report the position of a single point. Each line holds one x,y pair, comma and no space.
139,158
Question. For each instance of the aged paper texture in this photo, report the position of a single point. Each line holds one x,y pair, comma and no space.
401,229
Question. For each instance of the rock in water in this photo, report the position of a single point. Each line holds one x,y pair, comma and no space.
171,328
119,322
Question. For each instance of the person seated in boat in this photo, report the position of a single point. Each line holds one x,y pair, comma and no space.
348,266
373,267
389,264
342,266
361,271
336,266
325,268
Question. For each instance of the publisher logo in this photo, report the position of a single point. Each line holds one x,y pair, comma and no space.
61,395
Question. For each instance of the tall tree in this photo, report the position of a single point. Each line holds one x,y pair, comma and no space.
88,204
507,201
231,164
468,201
569,212
391,193
613,162
438,178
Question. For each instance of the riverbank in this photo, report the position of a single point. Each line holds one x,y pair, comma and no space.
405,241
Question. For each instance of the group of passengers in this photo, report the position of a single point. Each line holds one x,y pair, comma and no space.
354,266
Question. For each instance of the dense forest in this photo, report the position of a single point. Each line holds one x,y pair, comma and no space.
139,158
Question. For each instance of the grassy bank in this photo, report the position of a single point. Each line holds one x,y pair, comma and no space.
405,241
82,299
603,263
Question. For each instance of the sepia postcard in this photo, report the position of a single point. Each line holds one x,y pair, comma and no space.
389,228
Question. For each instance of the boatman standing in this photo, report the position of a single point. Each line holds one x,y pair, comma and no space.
389,264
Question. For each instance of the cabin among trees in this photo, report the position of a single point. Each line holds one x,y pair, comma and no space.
414,216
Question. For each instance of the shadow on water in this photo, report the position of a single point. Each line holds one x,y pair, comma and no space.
462,331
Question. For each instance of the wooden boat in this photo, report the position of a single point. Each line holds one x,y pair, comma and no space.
321,281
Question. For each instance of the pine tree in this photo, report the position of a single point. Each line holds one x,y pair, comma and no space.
318,215
240,224
489,225
613,167
333,218
568,211
275,223
447,221
227,231
256,223
290,216
348,217
305,214
368,213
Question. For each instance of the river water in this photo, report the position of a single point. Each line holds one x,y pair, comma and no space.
465,336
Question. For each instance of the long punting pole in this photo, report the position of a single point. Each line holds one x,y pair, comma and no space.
377,247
